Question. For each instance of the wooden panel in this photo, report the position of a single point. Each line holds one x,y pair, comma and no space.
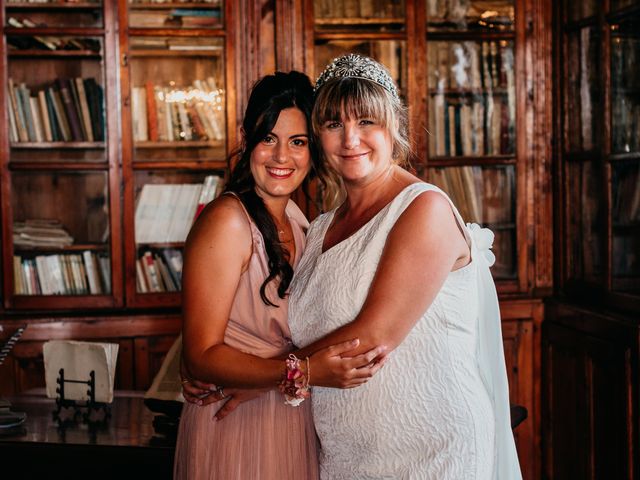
590,411
149,354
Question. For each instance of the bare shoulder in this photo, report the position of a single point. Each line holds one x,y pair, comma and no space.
429,206
224,219
428,218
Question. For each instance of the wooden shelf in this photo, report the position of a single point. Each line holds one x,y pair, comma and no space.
171,5
56,31
54,54
168,52
488,160
59,145
159,245
202,165
68,248
72,165
54,6
185,144
350,21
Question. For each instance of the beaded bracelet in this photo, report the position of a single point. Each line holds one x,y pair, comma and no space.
295,383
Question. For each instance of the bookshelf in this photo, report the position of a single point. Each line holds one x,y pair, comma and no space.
118,122
61,237
174,75
460,67
600,168
590,344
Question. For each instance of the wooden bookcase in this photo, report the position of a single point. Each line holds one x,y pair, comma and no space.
591,341
89,172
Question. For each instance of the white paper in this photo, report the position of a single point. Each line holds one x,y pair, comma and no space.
78,360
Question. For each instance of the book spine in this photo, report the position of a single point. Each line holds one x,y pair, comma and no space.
25,101
42,100
84,109
61,116
152,113
69,108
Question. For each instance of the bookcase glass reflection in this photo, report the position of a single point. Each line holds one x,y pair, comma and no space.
583,73
486,195
61,107
359,15
61,240
625,154
584,191
391,53
54,13
477,15
177,98
167,203
183,15
472,98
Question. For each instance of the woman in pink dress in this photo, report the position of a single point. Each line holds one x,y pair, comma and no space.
239,261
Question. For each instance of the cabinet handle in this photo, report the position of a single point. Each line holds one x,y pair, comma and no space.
125,60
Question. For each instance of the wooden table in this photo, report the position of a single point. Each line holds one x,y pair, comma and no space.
126,447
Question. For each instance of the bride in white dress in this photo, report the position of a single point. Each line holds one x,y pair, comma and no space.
395,265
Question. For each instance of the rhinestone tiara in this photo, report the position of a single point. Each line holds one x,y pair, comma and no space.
357,66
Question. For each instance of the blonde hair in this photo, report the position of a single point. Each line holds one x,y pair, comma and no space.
359,98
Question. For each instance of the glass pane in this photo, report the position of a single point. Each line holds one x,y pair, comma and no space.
359,15
625,87
194,14
391,53
581,9
166,205
585,221
583,93
178,98
620,4
472,98
625,190
485,195
61,233
20,13
494,15
59,109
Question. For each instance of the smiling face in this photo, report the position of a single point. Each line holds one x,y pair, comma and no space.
281,160
358,149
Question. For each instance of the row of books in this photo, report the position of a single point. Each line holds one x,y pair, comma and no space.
167,113
70,109
175,18
359,8
48,42
482,195
471,65
165,213
159,271
87,273
475,125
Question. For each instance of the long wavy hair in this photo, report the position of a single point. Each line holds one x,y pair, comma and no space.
269,96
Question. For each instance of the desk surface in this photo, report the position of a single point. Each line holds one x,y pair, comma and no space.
125,446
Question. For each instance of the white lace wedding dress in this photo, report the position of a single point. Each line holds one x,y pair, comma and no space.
439,408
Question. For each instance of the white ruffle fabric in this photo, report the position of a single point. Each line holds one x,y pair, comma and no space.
490,352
